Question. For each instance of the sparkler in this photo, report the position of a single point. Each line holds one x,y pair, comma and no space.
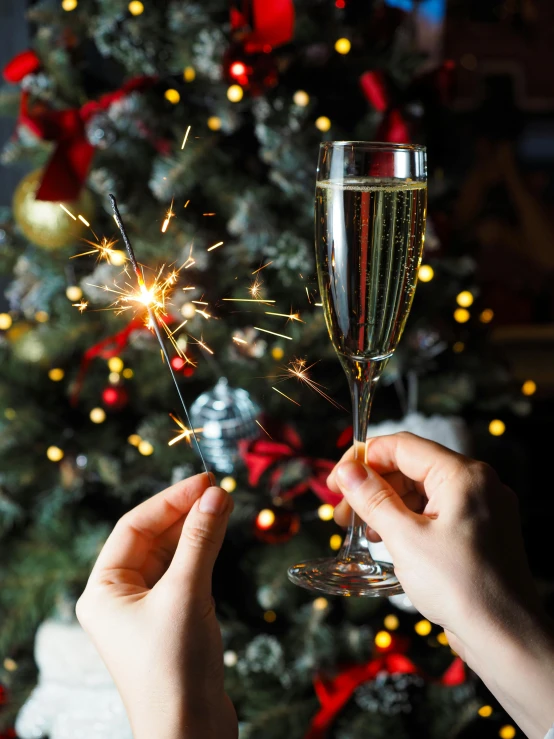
148,298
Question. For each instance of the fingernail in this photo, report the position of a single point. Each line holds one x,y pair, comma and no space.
213,500
351,475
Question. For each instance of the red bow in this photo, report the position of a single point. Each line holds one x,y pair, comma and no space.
334,694
393,127
262,455
21,65
263,23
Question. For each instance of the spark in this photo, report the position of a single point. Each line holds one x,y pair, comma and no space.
284,396
255,288
104,249
82,306
262,428
263,267
219,243
83,220
69,213
168,216
247,300
201,343
291,316
208,214
281,336
204,314
297,369
185,139
239,340
308,294
185,205
198,302
190,287
183,432
319,305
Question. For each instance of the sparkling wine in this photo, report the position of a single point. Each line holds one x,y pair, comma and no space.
369,241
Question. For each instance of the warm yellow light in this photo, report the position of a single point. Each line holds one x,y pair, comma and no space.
391,622
335,542
113,377
188,310
497,427
117,257
270,617
134,439
10,664
277,353
172,95
486,316
127,373
214,123
235,93
145,448
74,293
115,364
458,347
485,711
442,639
229,484
56,374
426,273
189,74
136,7
465,299
54,453
301,98
320,604
325,512
5,321
529,387
383,639
265,518
461,315
69,4
41,316
323,123
97,415
423,627
10,414
343,45
507,732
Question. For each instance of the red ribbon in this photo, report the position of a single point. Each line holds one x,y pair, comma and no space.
21,65
263,24
263,455
334,694
393,127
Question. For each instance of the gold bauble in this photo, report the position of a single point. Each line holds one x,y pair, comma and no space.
44,222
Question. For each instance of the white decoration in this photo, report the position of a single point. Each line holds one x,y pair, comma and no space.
75,697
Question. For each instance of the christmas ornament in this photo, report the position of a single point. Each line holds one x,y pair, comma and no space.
254,72
393,127
100,131
262,24
389,694
45,223
76,696
115,398
276,525
226,415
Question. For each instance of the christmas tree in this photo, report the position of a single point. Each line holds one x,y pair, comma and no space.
204,120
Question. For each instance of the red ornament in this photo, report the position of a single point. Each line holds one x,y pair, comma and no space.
262,24
276,525
177,363
21,65
115,397
189,370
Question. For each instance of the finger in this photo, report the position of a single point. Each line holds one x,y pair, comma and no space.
201,539
413,500
355,452
374,500
132,539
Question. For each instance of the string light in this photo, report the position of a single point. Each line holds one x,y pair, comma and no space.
10,414
115,364
325,512
188,310
69,5
391,622
172,96
442,639
426,273
301,98
461,315
497,427
270,617
323,123
465,299
54,453
320,604
230,658
529,387
485,711
145,448
136,7
189,74
235,93
383,639
423,627
41,316
458,347
214,123
56,374
229,484
10,664
113,378
134,439
117,257
265,519
5,321
97,415
507,732
277,353
335,542
343,45
128,373
74,293
486,316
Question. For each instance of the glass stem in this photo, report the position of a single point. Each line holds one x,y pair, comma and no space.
362,378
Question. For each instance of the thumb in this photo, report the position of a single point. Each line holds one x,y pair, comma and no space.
200,541
374,500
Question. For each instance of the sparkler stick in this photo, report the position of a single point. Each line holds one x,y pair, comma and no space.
154,323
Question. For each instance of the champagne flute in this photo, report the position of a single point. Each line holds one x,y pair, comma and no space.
370,209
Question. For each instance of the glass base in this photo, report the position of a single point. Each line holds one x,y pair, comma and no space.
350,577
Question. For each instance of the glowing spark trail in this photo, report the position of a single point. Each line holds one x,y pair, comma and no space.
186,433
210,248
260,268
168,216
103,249
284,396
239,340
82,306
69,213
153,321
83,220
185,139
298,369
247,300
262,428
281,336
290,316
